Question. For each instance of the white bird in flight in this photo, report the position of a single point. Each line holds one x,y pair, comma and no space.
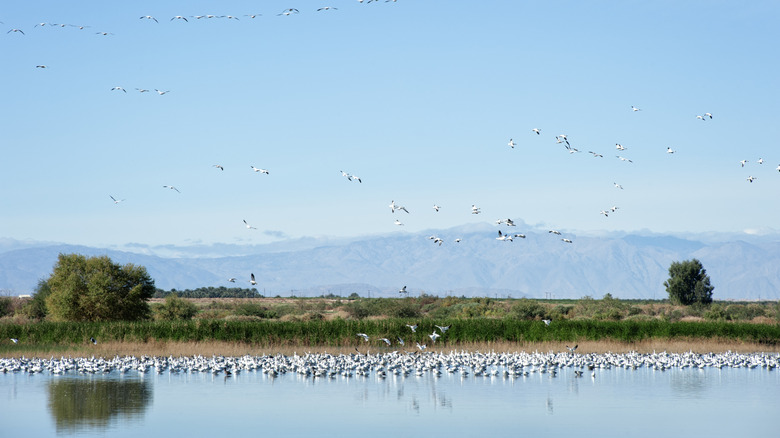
364,336
618,186
566,240
619,147
219,166
252,280
172,188
116,201
436,207
669,150
537,131
265,171
511,143
249,227
633,108
555,232
397,222
475,209
743,162
148,17
752,178
119,89
624,159
412,327
179,17
442,328
160,92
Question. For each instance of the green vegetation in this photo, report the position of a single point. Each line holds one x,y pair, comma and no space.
97,289
210,292
688,283
175,308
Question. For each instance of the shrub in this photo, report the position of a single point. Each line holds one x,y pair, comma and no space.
175,308
527,309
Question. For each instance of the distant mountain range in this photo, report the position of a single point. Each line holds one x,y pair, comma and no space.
540,265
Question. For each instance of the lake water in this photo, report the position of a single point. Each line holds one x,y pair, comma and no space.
617,402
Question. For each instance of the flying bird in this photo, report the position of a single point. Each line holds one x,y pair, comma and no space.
252,280
14,340
142,90
511,143
595,155
148,17
289,11
619,147
566,240
546,321
386,341
327,8
752,178
443,329
475,209
572,349
116,201
364,336
436,207
172,188
179,17
265,171
218,166
397,222
41,66
93,340
743,162
434,336
669,150
248,227
119,89
537,131
232,280
633,108
555,232
160,92
760,161
15,30
624,159
618,186
412,327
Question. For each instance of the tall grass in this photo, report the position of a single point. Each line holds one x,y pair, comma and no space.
342,332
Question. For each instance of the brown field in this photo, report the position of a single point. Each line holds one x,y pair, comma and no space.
112,349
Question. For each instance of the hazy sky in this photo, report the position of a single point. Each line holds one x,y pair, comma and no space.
417,98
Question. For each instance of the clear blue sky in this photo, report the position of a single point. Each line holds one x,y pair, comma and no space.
418,98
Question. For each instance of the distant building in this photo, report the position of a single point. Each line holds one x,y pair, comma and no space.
25,296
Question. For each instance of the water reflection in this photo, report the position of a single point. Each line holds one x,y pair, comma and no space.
93,403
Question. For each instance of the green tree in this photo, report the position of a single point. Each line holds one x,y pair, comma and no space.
688,283
36,307
97,289
176,308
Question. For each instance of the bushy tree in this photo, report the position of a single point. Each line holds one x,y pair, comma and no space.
688,283
97,289
36,307
176,308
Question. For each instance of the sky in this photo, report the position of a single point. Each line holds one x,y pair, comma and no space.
418,98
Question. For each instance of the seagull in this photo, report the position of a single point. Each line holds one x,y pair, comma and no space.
436,207
619,147
93,340
443,329
404,291
572,349
15,30
364,336
259,170
413,327
397,222
218,166
633,108
669,150
119,89
743,162
148,17
179,17
434,336
160,92
14,340
546,321
511,143
618,185
537,131
752,178
172,188
475,209
248,227
252,279
567,240
116,201
555,232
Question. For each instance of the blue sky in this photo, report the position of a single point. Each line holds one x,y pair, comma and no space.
418,98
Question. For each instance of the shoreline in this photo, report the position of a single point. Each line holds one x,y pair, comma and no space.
218,348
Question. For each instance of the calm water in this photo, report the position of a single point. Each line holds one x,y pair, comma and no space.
616,403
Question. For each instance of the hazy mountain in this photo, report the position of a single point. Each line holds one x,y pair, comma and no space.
627,266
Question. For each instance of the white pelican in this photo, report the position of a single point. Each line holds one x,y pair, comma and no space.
633,108
172,188
618,185
118,89
364,336
567,240
148,17
116,201
537,131
752,178
252,280
248,227
413,327
669,150
259,170
511,143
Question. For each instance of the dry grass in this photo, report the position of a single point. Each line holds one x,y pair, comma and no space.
161,348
